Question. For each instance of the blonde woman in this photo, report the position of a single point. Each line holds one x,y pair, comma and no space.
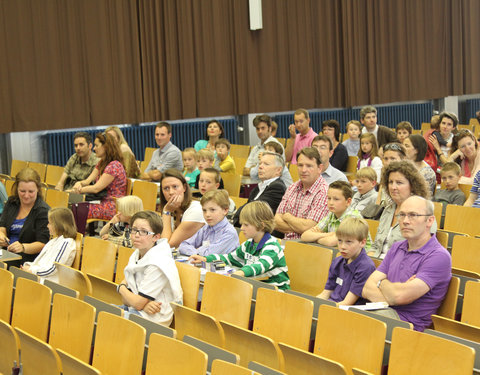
129,160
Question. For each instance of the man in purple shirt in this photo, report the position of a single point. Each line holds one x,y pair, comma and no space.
301,124
414,276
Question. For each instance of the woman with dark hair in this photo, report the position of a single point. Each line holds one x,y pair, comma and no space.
213,132
109,175
23,225
182,217
464,152
416,147
400,179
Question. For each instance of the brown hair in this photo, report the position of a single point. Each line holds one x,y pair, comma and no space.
366,110
464,133
215,173
153,219
451,167
276,146
163,124
301,111
404,125
344,187
311,153
112,151
27,175
63,222
418,185
259,214
371,138
222,130
262,118
223,141
220,197
354,122
187,196
325,139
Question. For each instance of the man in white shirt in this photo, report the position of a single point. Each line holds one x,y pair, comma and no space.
324,146
263,125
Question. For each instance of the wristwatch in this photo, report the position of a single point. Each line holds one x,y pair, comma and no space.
166,213
379,282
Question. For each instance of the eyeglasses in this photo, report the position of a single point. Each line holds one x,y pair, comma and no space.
393,147
141,232
410,215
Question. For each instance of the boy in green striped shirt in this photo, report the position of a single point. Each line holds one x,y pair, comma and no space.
261,255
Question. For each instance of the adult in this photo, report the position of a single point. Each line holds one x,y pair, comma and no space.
368,118
129,160
263,126
391,152
339,158
442,140
325,148
23,224
304,203
276,148
416,148
80,164
109,175
166,156
271,187
213,132
431,156
301,124
182,217
400,180
414,276
465,152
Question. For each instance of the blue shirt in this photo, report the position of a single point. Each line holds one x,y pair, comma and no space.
15,229
222,238
164,158
344,277
476,189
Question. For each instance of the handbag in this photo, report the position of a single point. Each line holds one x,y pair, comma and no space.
96,196
372,211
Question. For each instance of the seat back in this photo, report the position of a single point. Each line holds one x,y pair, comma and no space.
73,366
61,289
462,219
466,253
273,309
40,168
17,166
241,151
232,183
419,353
103,306
190,281
74,279
308,267
118,345
471,304
167,356
262,369
372,227
31,308
99,257
239,164
299,361
335,327
53,175
56,198
227,299
448,308
196,324
19,273
105,290
220,367
9,345
6,293
37,356
124,254
79,248
147,192
71,327
293,169
352,164
456,328
148,155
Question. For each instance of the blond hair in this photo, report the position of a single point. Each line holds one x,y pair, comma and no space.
451,166
353,227
118,132
368,173
220,197
27,175
129,205
205,154
191,151
259,214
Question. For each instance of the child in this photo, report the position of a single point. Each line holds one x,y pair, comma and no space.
224,162
366,180
339,197
404,129
218,236
349,272
191,171
209,181
451,173
261,254
151,277
61,248
368,154
354,128
277,149
205,159
117,229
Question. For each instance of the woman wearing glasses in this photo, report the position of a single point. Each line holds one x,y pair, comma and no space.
400,180
151,277
464,152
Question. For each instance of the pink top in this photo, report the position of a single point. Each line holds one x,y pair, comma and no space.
302,141
476,167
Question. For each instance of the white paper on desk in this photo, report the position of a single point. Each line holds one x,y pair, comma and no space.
368,306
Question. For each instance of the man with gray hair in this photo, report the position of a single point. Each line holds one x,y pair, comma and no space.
368,118
270,188
414,276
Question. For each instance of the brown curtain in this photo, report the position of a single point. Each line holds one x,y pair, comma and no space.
92,62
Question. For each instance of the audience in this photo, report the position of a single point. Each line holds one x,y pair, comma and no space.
80,164
383,135
218,236
339,158
442,140
129,160
210,181
304,203
151,277
263,126
213,132
349,272
325,148
205,159
473,199
224,162
465,152
451,194
276,148
297,142
403,130
352,144
414,276
391,152
24,221
182,217
339,198
366,180
416,148
165,157
368,154
60,249
261,255
191,171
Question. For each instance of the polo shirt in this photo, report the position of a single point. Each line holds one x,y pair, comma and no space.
332,174
309,204
302,141
164,158
430,263
344,277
